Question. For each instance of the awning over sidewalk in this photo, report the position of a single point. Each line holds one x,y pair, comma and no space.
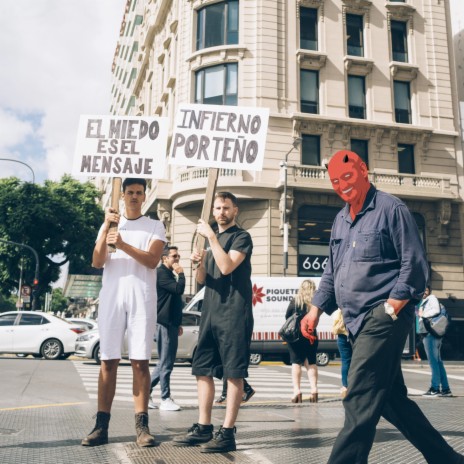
83,286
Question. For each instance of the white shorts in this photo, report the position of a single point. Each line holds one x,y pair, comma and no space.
137,318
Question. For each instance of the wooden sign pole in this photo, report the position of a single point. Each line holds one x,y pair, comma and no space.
115,197
207,204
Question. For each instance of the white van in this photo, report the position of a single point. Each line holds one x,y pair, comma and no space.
271,297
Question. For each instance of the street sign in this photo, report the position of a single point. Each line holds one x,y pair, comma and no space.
26,291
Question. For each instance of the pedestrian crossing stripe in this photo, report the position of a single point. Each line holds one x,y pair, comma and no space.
269,383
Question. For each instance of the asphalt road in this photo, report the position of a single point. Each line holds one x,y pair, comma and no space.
46,407
29,382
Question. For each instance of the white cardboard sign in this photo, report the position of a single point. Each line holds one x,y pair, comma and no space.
121,146
215,136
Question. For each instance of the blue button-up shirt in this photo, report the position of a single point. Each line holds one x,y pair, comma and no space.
376,256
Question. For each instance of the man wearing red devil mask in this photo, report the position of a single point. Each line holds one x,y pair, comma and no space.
376,272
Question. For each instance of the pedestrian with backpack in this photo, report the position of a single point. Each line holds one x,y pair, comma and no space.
429,308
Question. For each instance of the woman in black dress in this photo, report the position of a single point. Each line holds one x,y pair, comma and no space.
302,353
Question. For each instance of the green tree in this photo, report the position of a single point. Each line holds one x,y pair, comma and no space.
7,303
59,220
59,302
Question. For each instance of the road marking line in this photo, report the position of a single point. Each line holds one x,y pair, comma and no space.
37,406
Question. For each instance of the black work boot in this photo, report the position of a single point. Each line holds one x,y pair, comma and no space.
144,438
223,441
99,435
196,435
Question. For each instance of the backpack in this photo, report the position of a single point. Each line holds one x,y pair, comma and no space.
437,325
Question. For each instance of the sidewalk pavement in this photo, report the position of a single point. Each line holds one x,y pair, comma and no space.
266,434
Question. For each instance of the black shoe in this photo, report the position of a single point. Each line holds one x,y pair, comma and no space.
431,392
446,392
247,395
223,442
221,399
196,435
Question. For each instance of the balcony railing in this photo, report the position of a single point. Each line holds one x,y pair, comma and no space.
430,183
401,184
192,174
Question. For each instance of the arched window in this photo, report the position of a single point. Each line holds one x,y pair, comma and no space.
217,24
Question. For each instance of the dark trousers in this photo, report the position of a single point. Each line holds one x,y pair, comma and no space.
376,388
167,339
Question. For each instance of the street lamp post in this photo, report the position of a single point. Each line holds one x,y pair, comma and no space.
20,162
36,256
296,143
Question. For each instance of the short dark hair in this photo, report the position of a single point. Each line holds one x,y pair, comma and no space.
132,181
225,196
167,249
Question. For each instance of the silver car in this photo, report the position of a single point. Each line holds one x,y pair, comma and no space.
88,344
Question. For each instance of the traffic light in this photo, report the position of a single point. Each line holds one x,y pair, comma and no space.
35,294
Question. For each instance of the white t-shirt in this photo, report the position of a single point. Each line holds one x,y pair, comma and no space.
123,276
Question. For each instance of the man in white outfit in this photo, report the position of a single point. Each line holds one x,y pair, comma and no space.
127,303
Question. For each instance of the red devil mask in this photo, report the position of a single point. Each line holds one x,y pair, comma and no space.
349,177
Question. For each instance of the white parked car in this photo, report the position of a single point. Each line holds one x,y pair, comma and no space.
37,333
88,343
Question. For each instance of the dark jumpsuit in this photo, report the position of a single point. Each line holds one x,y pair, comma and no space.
227,320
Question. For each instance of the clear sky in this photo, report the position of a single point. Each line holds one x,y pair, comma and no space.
56,64
56,60
457,15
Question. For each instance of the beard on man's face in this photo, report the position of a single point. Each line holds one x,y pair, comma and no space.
223,220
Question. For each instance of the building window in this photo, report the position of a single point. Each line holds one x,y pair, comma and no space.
309,90
217,24
308,28
402,102
399,39
420,222
314,227
406,159
354,35
311,150
357,97
217,85
360,147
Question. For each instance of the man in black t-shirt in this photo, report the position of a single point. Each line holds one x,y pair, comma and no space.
226,323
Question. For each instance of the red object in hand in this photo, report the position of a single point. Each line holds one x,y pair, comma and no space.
308,328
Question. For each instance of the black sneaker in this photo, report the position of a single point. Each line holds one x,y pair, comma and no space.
247,395
221,399
223,442
196,435
446,392
431,392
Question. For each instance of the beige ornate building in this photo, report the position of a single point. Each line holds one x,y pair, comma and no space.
374,76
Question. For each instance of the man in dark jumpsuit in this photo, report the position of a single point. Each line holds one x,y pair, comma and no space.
377,270
226,324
